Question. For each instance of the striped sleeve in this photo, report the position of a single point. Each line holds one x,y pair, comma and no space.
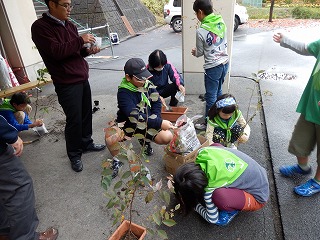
210,212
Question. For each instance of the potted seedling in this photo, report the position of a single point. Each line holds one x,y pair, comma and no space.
135,181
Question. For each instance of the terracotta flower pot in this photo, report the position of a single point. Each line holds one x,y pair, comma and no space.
139,231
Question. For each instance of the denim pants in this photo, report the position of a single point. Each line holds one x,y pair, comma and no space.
213,80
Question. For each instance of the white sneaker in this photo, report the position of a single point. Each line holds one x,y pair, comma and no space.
200,126
233,146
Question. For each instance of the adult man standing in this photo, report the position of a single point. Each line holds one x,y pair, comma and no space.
18,218
63,52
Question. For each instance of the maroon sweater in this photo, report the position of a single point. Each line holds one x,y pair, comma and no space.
61,49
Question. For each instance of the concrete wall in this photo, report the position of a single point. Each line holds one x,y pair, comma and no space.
15,22
193,67
17,16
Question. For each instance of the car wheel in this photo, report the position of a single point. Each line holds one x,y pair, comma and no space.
236,23
177,24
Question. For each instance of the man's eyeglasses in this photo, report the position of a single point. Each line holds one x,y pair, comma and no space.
66,5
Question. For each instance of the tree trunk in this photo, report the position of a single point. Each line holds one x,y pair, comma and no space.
271,10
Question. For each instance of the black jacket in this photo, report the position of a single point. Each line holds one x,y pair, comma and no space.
8,134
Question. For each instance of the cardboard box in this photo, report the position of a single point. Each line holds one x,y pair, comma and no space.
173,160
174,115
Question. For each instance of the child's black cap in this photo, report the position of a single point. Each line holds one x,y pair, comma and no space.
136,67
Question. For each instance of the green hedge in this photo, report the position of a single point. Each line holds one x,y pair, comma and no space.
306,13
155,6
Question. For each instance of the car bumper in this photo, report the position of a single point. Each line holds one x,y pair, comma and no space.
244,18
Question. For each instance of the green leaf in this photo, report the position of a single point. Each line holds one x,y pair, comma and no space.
142,89
141,105
134,112
142,125
133,120
156,218
145,180
107,172
141,119
118,185
149,197
106,181
129,130
154,96
110,204
138,136
162,234
177,207
152,132
153,116
169,222
126,175
165,196
105,186
131,155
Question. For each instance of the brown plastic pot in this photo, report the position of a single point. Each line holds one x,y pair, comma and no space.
139,231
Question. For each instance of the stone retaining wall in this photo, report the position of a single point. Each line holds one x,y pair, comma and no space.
96,13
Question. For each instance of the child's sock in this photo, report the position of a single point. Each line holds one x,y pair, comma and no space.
304,167
317,180
116,165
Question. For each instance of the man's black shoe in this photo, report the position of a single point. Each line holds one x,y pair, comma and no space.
95,147
77,165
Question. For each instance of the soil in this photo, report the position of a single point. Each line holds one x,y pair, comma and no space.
129,236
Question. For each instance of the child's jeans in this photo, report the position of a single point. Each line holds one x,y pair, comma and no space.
213,80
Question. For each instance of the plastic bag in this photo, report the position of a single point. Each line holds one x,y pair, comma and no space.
13,78
5,81
40,130
179,96
185,138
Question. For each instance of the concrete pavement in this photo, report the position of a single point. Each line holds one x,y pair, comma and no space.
74,202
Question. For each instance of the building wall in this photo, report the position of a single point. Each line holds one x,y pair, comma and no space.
193,67
17,16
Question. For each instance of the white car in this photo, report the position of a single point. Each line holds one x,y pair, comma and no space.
172,15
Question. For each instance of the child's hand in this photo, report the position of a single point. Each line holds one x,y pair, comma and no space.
166,125
244,138
277,37
182,89
193,51
38,123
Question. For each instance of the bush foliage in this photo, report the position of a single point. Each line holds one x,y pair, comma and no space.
155,6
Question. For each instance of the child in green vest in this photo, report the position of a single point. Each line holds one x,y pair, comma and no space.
220,183
225,123
17,110
135,90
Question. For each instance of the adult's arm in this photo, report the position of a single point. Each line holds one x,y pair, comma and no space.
54,45
8,133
